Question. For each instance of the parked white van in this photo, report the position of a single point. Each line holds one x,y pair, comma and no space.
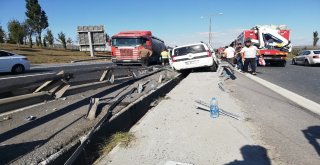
192,56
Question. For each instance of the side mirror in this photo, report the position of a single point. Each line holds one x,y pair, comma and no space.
109,42
148,43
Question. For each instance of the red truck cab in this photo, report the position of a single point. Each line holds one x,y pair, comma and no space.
125,46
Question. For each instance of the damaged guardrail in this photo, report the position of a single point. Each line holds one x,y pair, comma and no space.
58,87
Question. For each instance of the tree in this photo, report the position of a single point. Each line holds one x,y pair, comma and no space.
69,41
44,42
315,38
49,37
29,32
62,39
2,35
16,32
37,18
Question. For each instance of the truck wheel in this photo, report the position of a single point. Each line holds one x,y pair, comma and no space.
283,63
145,62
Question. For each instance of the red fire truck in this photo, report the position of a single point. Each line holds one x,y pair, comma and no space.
272,41
126,45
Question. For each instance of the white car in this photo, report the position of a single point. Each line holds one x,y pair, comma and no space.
10,62
307,57
192,56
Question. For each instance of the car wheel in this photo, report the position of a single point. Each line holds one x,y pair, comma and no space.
294,62
214,67
17,69
306,63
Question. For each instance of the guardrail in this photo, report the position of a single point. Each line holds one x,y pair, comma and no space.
59,87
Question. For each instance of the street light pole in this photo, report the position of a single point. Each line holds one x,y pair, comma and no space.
210,31
210,17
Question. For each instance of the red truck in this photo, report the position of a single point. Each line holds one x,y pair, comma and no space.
125,47
272,41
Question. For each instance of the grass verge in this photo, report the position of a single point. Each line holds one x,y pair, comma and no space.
122,138
46,55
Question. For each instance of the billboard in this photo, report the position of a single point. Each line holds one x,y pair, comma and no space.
92,38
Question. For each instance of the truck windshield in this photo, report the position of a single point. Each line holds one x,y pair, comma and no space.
128,41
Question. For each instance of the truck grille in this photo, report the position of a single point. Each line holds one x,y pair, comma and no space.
126,52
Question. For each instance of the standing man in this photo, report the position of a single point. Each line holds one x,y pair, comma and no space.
164,57
144,56
239,56
229,53
249,53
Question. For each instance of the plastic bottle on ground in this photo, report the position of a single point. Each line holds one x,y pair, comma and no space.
214,109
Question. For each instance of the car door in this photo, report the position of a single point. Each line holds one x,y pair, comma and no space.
305,56
5,62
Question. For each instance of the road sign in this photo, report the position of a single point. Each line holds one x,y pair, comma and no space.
92,38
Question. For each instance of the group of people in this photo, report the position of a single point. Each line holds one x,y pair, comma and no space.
242,56
146,53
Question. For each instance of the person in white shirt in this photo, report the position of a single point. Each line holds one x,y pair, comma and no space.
249,53
229,53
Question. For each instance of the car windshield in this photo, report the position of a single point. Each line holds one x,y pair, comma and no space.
128,41
316,52
189,49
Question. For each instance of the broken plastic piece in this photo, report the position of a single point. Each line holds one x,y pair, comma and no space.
30,118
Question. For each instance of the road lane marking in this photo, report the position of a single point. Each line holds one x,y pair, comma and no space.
300,100
23,76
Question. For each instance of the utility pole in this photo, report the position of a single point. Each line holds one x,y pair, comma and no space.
210,22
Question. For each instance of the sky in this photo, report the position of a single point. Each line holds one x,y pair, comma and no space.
177,22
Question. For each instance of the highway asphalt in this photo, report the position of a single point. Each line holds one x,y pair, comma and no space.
303,80
289,132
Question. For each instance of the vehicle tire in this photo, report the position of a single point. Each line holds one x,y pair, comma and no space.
306,63
214,67
283,63
294,62
145,62
17,69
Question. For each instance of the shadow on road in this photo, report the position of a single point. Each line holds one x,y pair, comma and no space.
13,151
252,155
313,134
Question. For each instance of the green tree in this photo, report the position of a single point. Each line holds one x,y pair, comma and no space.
62,39
36,17
49,37
16,32
2,35
29,32
315,38
44,42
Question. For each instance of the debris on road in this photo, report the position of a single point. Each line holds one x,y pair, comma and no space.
204,106
6,118
94,102
30,118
